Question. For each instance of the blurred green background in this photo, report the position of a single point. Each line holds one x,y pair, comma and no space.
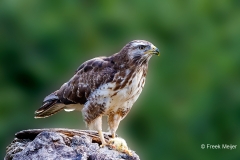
192,92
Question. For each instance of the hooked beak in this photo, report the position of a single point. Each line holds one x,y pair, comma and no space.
156,52
153,50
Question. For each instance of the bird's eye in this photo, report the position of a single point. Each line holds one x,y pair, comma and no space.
141,47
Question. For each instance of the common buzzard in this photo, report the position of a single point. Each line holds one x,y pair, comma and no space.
103,86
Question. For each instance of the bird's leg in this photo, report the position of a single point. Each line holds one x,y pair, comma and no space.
96,124
113,121
102,138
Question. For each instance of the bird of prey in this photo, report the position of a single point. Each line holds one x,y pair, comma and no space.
103,86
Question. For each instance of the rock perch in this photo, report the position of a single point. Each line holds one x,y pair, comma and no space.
62,144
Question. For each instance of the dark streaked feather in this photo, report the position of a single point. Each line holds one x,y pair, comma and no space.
89,76
50,111
51,105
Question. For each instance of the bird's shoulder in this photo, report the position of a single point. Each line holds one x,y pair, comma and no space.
88,77
96,65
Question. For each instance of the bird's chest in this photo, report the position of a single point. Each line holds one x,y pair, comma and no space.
128,94
122,95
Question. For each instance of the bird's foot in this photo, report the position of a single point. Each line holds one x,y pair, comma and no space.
120,145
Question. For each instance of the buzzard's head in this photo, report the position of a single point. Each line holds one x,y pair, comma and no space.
140,50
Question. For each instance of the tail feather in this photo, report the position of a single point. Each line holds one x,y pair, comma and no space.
51,105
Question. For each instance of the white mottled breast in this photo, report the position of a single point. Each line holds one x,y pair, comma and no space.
122,98
132,91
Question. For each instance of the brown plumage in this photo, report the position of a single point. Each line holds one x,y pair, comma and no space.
103,86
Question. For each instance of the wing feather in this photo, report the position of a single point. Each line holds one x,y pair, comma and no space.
89,76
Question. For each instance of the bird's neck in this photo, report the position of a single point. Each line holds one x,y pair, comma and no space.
124,61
